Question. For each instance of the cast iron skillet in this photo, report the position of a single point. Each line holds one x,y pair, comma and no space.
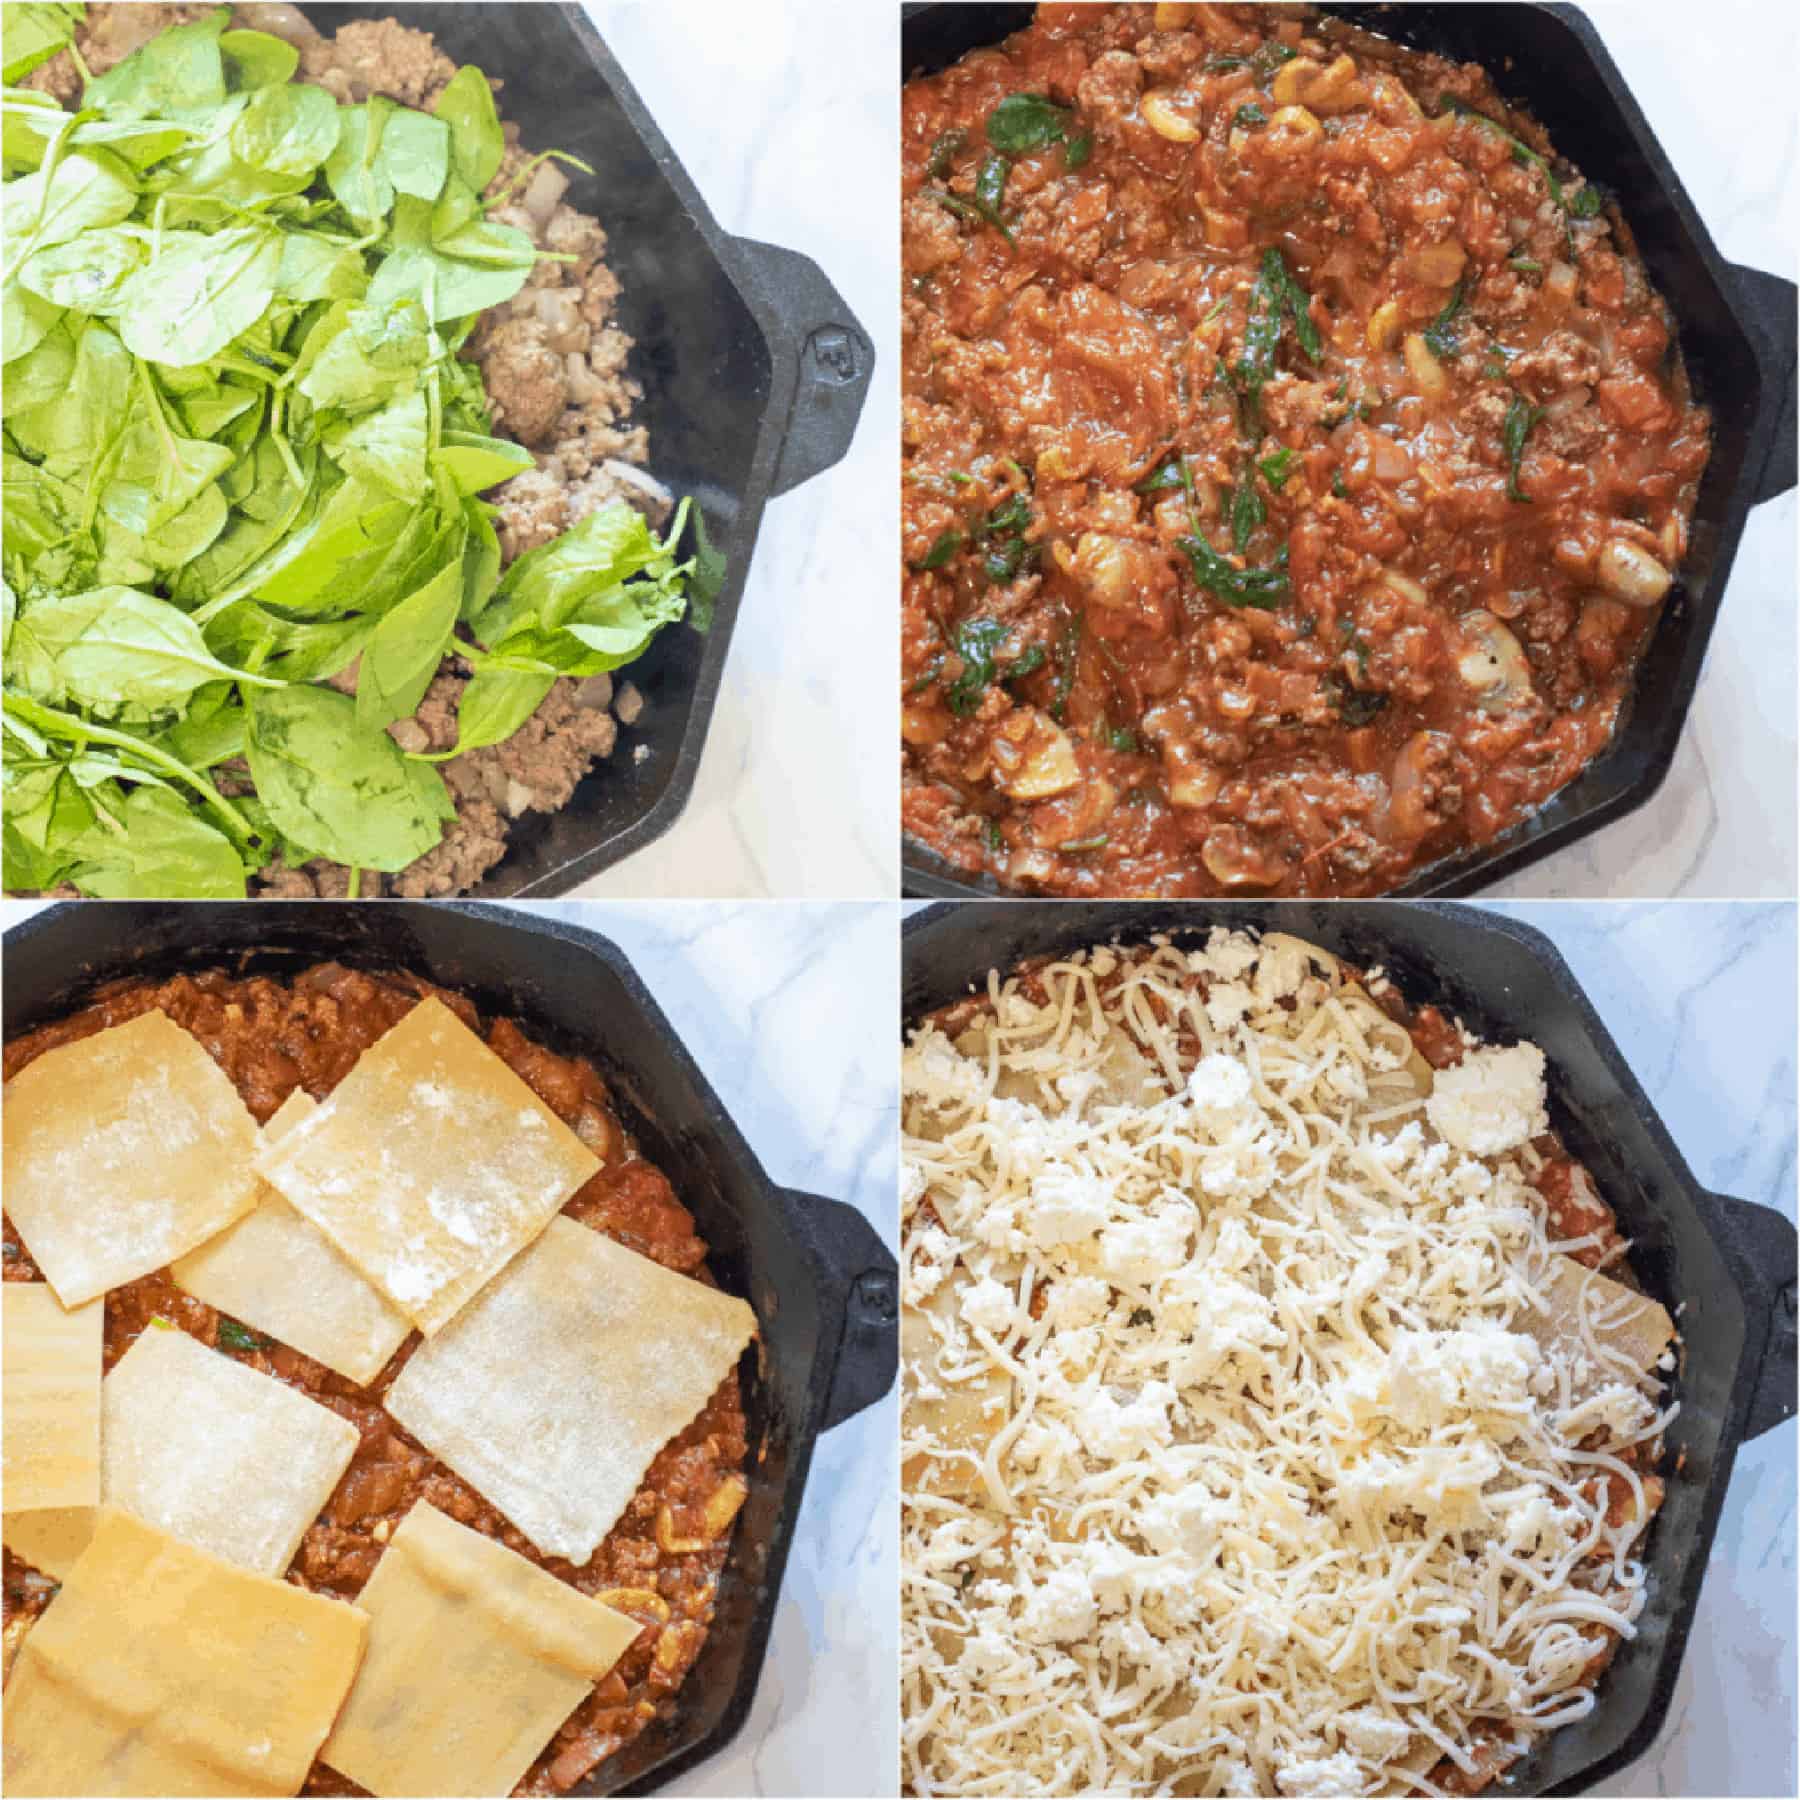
1729,1264
820,1278
754,371
1737,335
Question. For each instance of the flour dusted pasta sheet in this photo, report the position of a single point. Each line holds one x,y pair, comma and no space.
558,1385
476,1656
159,1669
430,1166
279,1272
52,1399
122,1152
218,1454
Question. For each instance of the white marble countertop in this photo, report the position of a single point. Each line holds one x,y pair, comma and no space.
785,117
1723,824
790,1012
1701,1001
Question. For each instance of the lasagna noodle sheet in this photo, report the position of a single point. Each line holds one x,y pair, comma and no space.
51,1359
555,1389
217,1454
161,1670
475,1657
430,1166
122,1152
282,1274
50,1540
1624,1321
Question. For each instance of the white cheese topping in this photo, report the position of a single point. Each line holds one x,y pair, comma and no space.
1242,1451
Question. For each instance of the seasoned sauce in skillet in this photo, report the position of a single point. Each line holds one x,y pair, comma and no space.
1296,457
271,1037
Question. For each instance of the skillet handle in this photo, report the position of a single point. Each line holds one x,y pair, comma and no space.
862,1301
834,355
1765,1242
1769,301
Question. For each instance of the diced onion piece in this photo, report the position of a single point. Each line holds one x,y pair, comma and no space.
1292,132
1630,573
1560,282
1166,119
1225,231
1426,371
1390,461
1437,265
275,17
1405,586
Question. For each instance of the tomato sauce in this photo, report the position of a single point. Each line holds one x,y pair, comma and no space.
1295,457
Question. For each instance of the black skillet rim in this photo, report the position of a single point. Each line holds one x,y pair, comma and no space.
1603,792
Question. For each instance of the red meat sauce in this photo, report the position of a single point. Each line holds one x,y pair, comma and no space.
272,1037
1429,406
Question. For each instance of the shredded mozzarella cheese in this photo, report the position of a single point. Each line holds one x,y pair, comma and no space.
1240,1449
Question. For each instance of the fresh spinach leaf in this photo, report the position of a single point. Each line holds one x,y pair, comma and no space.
32,33
156,848
339,790
975,641
1521,418
1026,122
477,144
1441,334
1263,589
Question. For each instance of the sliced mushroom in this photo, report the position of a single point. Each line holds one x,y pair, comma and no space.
1233,860
1491,663
1416,785
1630,573
1426,371
1293,131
